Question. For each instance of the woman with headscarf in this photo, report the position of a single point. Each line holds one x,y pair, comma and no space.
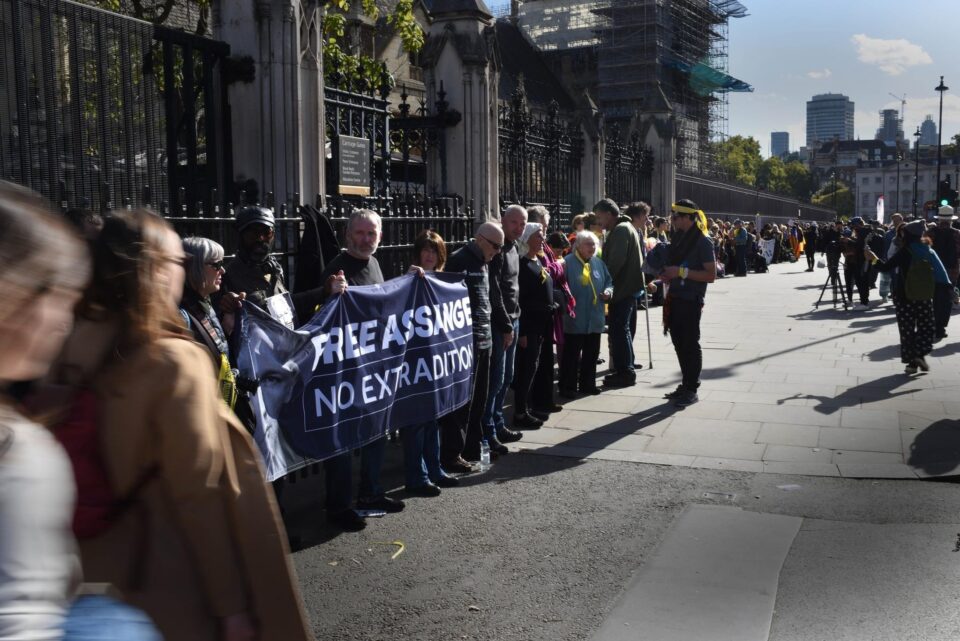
919,269
536,322
201,548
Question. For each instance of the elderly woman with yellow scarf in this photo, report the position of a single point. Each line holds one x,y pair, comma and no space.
591,286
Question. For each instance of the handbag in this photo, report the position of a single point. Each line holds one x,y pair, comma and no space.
821,263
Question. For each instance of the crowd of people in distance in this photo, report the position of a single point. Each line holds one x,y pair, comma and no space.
132,495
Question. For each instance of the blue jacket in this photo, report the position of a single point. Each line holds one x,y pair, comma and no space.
589,318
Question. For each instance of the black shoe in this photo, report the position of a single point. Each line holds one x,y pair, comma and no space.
591,391
496,447
384,503
567,393
346,520
543,417
675,393
619,380
505,435
447,481
552,409
429,490
689,397
526,422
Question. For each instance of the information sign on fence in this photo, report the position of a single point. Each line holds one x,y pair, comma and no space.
354,166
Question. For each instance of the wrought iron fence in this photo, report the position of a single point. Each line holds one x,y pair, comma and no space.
628,168
102,110
362,115
539,158
418,135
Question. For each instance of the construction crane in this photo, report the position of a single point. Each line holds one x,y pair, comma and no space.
903,104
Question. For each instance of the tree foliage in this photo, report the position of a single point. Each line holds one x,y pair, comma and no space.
843,200
740,159
358,70
799,180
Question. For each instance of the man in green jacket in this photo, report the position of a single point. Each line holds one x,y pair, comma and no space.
621,253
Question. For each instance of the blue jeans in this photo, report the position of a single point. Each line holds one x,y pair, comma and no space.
339,474
621,341
501,376
101,618
421,454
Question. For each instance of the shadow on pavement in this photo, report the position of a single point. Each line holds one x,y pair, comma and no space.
936,450
946,350
885,353
876,390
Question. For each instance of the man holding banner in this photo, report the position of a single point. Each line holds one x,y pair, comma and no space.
356,266
462,430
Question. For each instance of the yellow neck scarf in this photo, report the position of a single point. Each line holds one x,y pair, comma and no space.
585,275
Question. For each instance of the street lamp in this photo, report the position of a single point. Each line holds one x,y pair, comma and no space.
940,89
916,168
835,210
896,207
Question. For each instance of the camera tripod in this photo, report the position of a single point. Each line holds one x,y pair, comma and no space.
834,281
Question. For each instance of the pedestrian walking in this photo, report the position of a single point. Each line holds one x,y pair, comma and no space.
946,242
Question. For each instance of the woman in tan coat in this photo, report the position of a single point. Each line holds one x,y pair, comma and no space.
202,549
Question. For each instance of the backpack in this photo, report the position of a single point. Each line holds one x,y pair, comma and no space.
919,283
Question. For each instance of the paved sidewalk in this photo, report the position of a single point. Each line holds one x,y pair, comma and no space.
786,389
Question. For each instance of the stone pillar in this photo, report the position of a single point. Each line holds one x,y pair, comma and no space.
278,133
592,167
659,134
461,58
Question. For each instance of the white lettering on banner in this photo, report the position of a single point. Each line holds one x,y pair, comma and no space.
359,339
377,386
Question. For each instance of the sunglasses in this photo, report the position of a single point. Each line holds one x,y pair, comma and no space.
216,265
496,246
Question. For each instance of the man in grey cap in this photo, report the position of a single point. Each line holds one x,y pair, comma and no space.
254,274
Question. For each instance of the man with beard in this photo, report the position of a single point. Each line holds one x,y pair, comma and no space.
355,267
254,274
690,266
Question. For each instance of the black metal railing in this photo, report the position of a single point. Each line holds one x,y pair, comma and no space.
102,110
539,158
628,168
359,115
417,139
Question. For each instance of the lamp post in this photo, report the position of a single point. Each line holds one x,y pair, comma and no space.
941,88
916,168
835,210
896,207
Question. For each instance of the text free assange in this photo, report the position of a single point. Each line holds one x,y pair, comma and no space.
354,340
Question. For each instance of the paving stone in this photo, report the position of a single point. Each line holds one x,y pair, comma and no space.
797,454
842,438
871,458
788,434
876,471
804,469
783,414
735,465
687,427
707,447
869,419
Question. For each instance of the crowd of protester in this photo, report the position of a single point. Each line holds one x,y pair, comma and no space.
145,406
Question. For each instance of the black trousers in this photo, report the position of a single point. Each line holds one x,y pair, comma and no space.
685,334
942,307
855,276
461,431
741,253
578,369
526,367
541,392
811,256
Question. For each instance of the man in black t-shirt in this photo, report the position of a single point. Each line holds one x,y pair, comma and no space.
355,267
690,266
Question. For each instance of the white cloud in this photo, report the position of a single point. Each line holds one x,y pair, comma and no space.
819,75
891,56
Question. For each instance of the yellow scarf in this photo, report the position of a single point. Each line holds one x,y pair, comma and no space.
585,275
700,217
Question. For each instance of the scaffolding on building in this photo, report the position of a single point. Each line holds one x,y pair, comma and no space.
652,55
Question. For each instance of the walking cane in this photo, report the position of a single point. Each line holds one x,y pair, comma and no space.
646,312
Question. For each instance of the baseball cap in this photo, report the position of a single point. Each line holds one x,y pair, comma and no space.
255,215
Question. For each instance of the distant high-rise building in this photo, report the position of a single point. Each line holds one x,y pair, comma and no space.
891,127
779,143
829,116
928,131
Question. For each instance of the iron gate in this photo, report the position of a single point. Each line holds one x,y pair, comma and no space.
628,168
102,110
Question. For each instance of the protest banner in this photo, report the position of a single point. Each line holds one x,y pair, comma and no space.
375,358
767,246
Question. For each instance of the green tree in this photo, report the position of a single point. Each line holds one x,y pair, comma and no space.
799,180
953,148
842,200
772,176
740,159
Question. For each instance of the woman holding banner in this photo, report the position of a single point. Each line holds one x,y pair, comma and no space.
421,443
201,549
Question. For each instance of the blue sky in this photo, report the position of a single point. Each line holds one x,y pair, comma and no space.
790,50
